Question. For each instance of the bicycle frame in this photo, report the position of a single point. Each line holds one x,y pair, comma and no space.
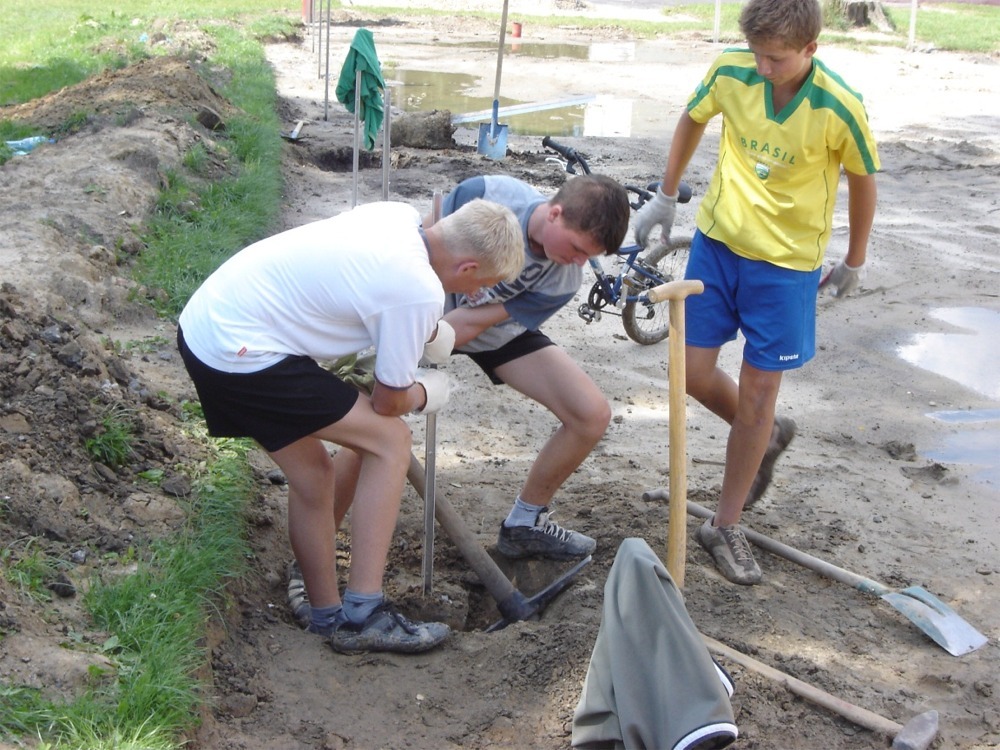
640,270
612,289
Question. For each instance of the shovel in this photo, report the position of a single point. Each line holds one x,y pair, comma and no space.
295,135
513,605
493,137
939,621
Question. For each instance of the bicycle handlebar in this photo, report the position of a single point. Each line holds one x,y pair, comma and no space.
568,153
572,156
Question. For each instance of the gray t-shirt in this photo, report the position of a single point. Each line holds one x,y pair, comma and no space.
540,289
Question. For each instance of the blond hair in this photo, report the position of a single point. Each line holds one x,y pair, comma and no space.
793,23
489,233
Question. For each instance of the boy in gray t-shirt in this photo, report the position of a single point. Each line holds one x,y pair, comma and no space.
499,329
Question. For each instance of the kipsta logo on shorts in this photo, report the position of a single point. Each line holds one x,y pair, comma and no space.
762,170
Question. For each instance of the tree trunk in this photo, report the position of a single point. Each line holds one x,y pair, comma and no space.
865,13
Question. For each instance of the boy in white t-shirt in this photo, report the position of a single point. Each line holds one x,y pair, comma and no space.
250,337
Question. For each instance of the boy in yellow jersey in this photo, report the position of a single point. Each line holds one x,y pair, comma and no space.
789,125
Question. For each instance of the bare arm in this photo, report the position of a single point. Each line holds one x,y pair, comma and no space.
469,322
395,402
862,195
687,136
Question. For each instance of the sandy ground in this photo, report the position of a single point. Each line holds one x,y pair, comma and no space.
858,487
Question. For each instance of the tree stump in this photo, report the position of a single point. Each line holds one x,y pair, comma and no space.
865,13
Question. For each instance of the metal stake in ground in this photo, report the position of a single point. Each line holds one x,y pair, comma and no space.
430,462
676,292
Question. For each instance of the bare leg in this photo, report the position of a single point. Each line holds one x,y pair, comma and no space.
347,464
748,439
311,526
551,377
383,445
749,408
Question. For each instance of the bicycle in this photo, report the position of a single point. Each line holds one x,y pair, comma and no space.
644,322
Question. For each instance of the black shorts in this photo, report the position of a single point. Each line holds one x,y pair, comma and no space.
275,406
526,343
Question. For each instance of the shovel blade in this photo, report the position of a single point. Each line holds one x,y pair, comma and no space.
492,141
939,621
493,137
522,608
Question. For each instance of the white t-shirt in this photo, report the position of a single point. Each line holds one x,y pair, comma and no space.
324,290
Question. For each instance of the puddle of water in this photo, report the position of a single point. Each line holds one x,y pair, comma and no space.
978,444
967,356
972,416
603,116
424,91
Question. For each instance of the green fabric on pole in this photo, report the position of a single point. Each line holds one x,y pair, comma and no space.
362,57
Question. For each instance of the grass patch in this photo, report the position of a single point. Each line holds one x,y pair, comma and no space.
29,568
156,617
199,223
156,621
953,27
112,443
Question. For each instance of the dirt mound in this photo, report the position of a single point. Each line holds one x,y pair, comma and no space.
70,211
167,85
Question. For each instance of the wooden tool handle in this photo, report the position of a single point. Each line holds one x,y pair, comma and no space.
678,289
860,582
860,716
496,583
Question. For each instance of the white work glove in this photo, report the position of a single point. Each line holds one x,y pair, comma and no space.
660,210
437,386
845,279
438,350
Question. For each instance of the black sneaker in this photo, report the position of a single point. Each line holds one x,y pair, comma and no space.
387,630
785,427
545,539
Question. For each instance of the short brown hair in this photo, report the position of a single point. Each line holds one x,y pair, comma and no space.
595,205
794,23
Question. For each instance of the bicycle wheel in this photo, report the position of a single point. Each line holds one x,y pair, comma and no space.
645,322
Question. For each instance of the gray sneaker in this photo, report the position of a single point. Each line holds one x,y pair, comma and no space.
545,539
731,552
786,431
387,630
298,597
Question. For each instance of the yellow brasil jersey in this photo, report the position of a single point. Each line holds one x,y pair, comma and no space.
775,185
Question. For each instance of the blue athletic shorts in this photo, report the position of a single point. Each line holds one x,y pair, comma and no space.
276,406
774,307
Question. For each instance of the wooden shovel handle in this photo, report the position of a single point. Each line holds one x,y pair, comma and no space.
860,582
503,35
675,290
860,716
